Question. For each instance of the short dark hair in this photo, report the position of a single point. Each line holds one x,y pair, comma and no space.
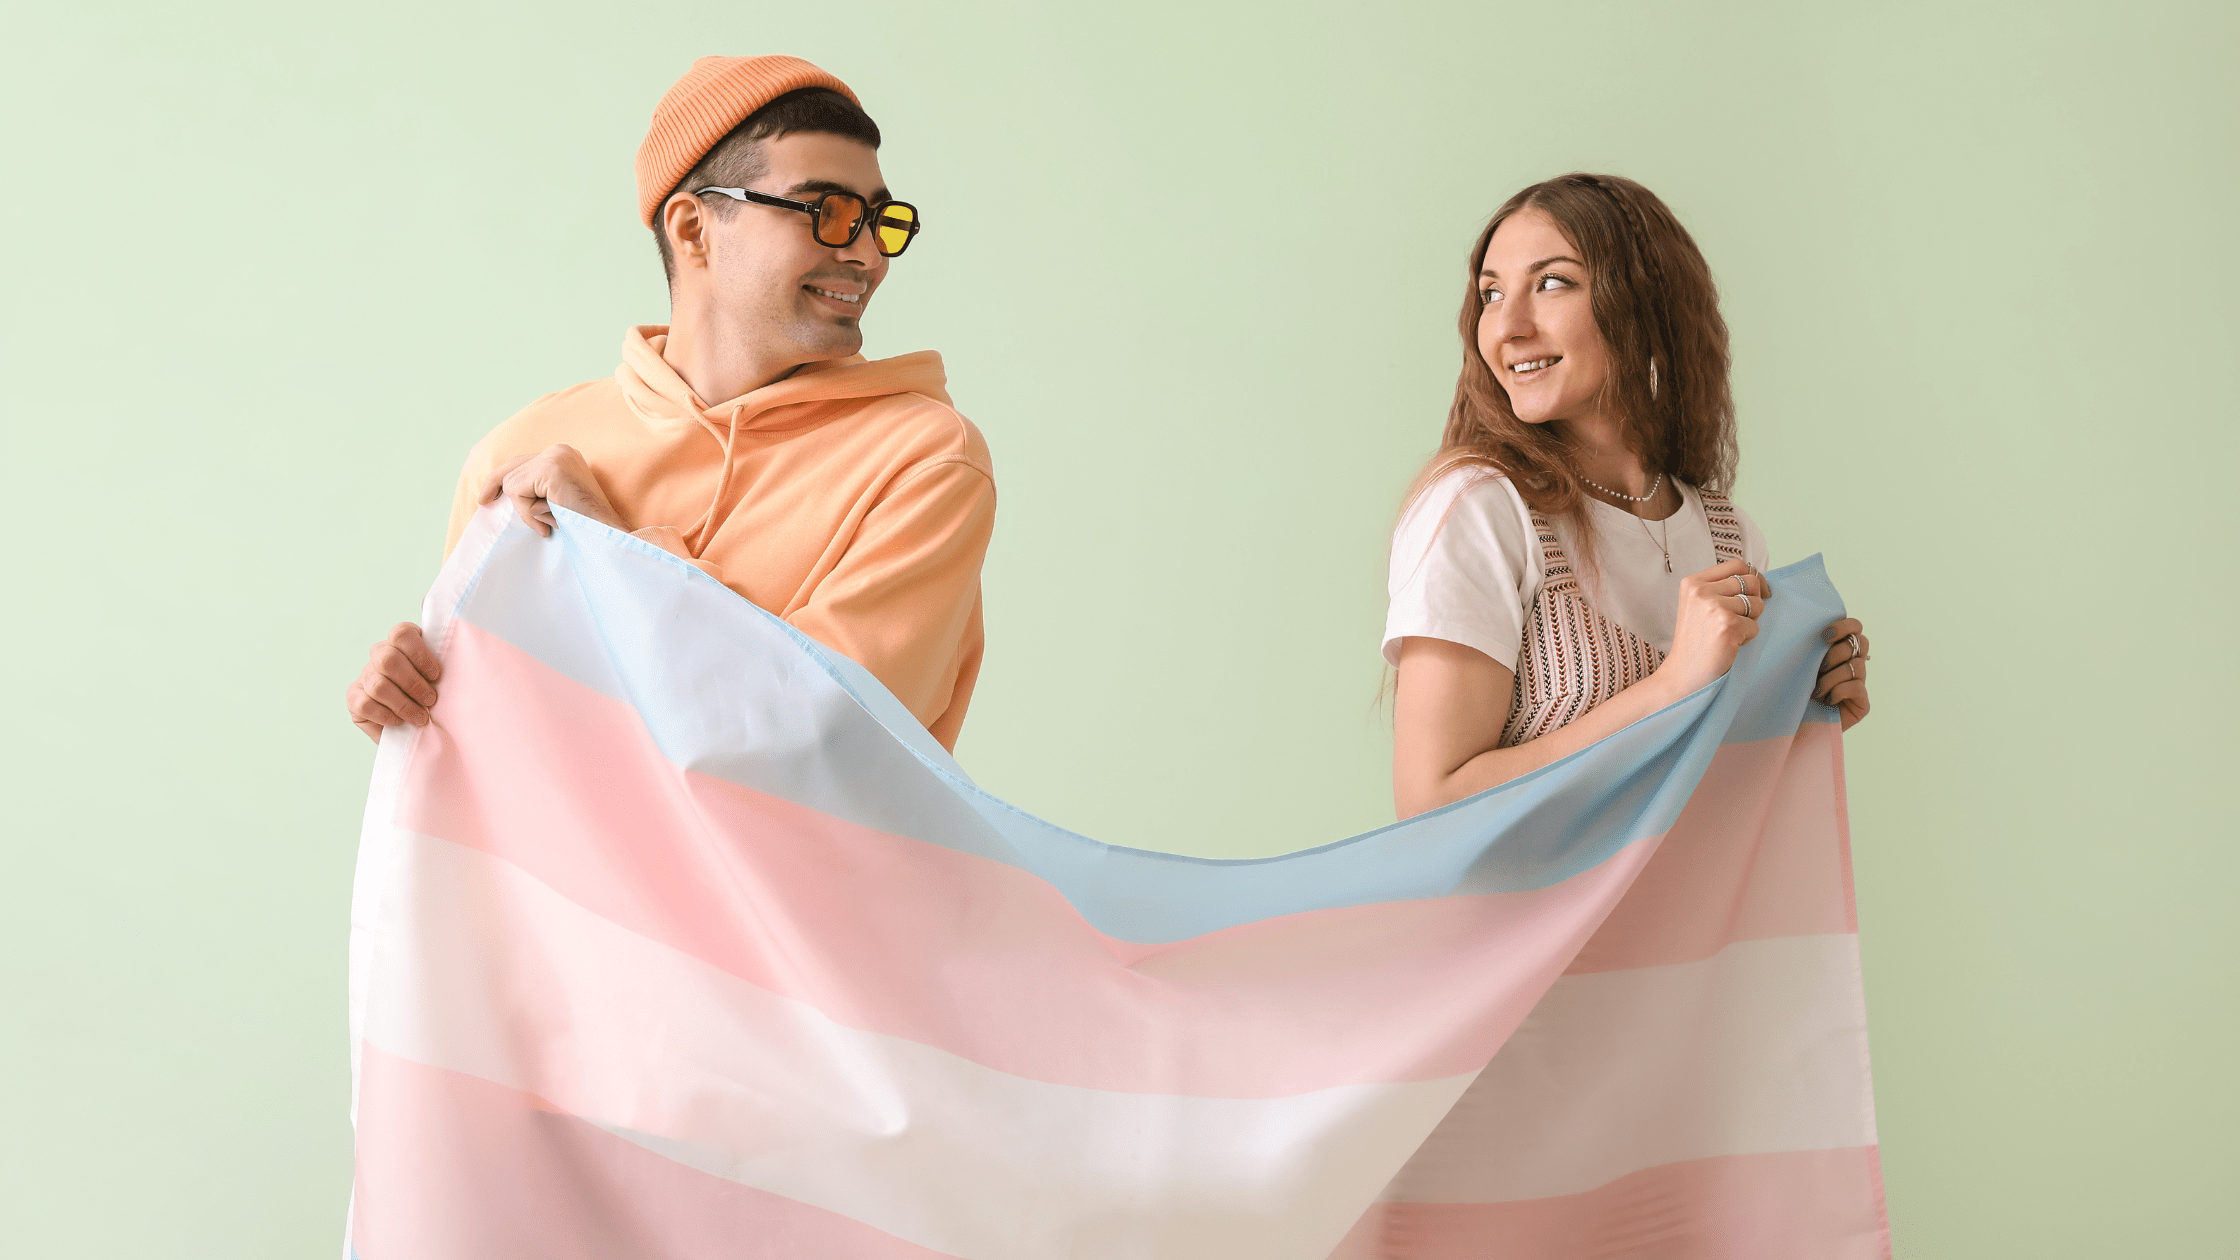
738,160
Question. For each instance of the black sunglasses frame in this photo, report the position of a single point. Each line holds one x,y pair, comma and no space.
815,211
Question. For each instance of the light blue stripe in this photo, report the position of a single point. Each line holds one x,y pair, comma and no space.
728,690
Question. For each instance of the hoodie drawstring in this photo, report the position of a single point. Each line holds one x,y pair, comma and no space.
693,540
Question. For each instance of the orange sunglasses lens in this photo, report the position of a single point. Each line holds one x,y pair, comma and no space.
838,215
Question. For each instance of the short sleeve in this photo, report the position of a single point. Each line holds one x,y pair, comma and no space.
1463,566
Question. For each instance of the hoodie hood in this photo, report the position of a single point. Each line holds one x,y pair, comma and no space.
657,395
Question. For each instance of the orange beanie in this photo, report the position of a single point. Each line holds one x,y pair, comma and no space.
714,96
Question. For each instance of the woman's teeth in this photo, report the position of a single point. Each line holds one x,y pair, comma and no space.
1535,365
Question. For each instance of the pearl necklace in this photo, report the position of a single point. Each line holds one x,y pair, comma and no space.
1630,498
1654,486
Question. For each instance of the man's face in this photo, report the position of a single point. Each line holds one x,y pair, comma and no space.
771,278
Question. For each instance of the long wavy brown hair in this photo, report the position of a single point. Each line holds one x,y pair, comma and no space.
1658,313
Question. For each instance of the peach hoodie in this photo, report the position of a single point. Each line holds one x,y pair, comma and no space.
849,498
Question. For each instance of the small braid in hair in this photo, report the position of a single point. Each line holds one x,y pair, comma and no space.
1658,294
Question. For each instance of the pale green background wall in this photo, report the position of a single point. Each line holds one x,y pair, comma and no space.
268,272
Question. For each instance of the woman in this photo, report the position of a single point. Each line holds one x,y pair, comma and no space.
1570,562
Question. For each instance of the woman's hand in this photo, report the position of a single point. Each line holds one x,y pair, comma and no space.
1843,671
1718,613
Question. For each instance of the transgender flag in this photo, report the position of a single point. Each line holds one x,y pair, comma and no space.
676,936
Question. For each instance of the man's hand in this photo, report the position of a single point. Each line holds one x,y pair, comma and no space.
398,686
557,474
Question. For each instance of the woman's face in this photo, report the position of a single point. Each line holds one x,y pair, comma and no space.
1536,327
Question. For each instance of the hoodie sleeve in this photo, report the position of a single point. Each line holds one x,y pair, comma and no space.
904,599
463,504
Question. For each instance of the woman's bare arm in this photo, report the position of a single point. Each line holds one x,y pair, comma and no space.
1452,703
1453,700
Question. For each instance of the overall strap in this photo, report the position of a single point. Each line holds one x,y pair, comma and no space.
1570,658
1556,575
1726,527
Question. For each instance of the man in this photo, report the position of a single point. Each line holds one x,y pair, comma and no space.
845,496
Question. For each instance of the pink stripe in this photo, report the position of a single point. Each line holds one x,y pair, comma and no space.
1843,829
881,932
455,1168
1794,1205
1758,853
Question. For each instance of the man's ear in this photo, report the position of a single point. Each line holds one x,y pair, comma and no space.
685,220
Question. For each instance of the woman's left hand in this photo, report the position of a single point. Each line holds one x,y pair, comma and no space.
1843,671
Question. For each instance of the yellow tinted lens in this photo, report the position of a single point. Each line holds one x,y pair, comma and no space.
837,217
895,223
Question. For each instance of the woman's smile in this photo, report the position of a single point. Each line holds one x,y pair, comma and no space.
1533,369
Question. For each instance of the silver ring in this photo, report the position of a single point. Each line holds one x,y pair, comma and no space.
1745,604
1854,644
1854,664
1741,586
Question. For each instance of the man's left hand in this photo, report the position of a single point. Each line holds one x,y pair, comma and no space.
557,474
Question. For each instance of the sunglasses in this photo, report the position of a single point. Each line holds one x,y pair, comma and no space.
837,218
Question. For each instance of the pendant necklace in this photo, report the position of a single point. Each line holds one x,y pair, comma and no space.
1664,544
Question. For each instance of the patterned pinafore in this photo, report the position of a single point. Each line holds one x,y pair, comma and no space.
1572,658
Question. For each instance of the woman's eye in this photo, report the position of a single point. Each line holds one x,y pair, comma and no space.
1550,280
1486,296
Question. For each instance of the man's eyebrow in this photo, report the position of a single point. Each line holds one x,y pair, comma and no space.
832,186
1542,265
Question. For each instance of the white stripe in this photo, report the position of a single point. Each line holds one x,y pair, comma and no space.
1760,1048
487,971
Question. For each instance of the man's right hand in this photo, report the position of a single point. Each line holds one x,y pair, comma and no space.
398,686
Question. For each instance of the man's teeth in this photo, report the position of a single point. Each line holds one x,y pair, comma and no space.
1534,365
845,297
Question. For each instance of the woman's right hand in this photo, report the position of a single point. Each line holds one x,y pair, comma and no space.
1712,625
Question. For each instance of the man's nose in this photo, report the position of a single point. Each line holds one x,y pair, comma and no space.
863,250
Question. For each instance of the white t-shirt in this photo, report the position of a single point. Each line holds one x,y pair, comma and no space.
1466,564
